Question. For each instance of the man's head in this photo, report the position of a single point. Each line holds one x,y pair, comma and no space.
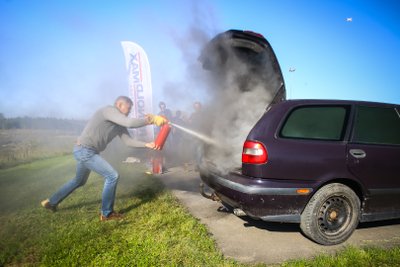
123,104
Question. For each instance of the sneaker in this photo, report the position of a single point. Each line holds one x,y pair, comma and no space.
113,216
46,204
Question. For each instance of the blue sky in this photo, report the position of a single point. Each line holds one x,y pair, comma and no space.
64,58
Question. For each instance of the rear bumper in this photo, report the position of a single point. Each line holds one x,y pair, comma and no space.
266,199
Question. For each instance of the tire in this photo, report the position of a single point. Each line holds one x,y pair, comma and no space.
331,215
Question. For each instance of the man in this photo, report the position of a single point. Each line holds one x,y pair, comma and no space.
107,123
164,111
196,119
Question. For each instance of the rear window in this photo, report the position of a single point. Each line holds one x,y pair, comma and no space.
316,122
377,125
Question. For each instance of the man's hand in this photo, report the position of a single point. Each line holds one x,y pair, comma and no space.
152,145
156,119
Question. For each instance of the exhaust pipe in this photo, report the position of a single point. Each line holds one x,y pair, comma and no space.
238,212
212,196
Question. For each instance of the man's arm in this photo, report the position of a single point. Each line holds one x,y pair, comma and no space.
114,115
129,141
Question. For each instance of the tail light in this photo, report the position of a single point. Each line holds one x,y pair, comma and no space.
254,153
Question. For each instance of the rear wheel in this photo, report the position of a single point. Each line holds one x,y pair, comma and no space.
331,215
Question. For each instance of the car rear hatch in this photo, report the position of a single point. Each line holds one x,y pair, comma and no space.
229,49
246,79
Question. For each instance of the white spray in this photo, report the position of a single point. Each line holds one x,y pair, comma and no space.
200,136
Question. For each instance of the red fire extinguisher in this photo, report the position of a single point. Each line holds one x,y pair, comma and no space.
158,158
162,136
157,162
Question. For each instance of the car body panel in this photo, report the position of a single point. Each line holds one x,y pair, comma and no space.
255,195
268,191
377,166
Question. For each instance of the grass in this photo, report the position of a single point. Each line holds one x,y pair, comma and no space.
354,257
156,231
25,145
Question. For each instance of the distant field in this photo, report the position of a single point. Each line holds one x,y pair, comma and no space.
24,145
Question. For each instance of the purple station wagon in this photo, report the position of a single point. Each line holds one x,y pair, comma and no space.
325,164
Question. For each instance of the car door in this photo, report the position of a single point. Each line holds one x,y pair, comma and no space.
373,156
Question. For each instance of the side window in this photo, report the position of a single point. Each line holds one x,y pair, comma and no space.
376,125
316,122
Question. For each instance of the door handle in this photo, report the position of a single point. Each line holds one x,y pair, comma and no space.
358,153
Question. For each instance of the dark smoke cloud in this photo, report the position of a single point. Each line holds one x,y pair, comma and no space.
234,97
239,100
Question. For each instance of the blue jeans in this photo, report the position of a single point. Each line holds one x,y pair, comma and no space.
89,160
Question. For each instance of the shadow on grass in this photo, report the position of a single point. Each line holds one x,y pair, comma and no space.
144,189
145,194
78,206
98,202
134,206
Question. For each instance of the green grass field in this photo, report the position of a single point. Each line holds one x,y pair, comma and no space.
156,231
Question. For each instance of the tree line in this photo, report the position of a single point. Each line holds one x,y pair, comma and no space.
41,123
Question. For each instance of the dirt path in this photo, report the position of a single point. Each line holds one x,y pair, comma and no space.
248,240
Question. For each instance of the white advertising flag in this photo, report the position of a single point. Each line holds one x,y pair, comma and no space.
140,90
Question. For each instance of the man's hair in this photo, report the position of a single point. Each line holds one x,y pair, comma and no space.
123,98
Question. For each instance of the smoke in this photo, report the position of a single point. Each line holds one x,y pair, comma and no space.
235,87
193,84
233,124
241,94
